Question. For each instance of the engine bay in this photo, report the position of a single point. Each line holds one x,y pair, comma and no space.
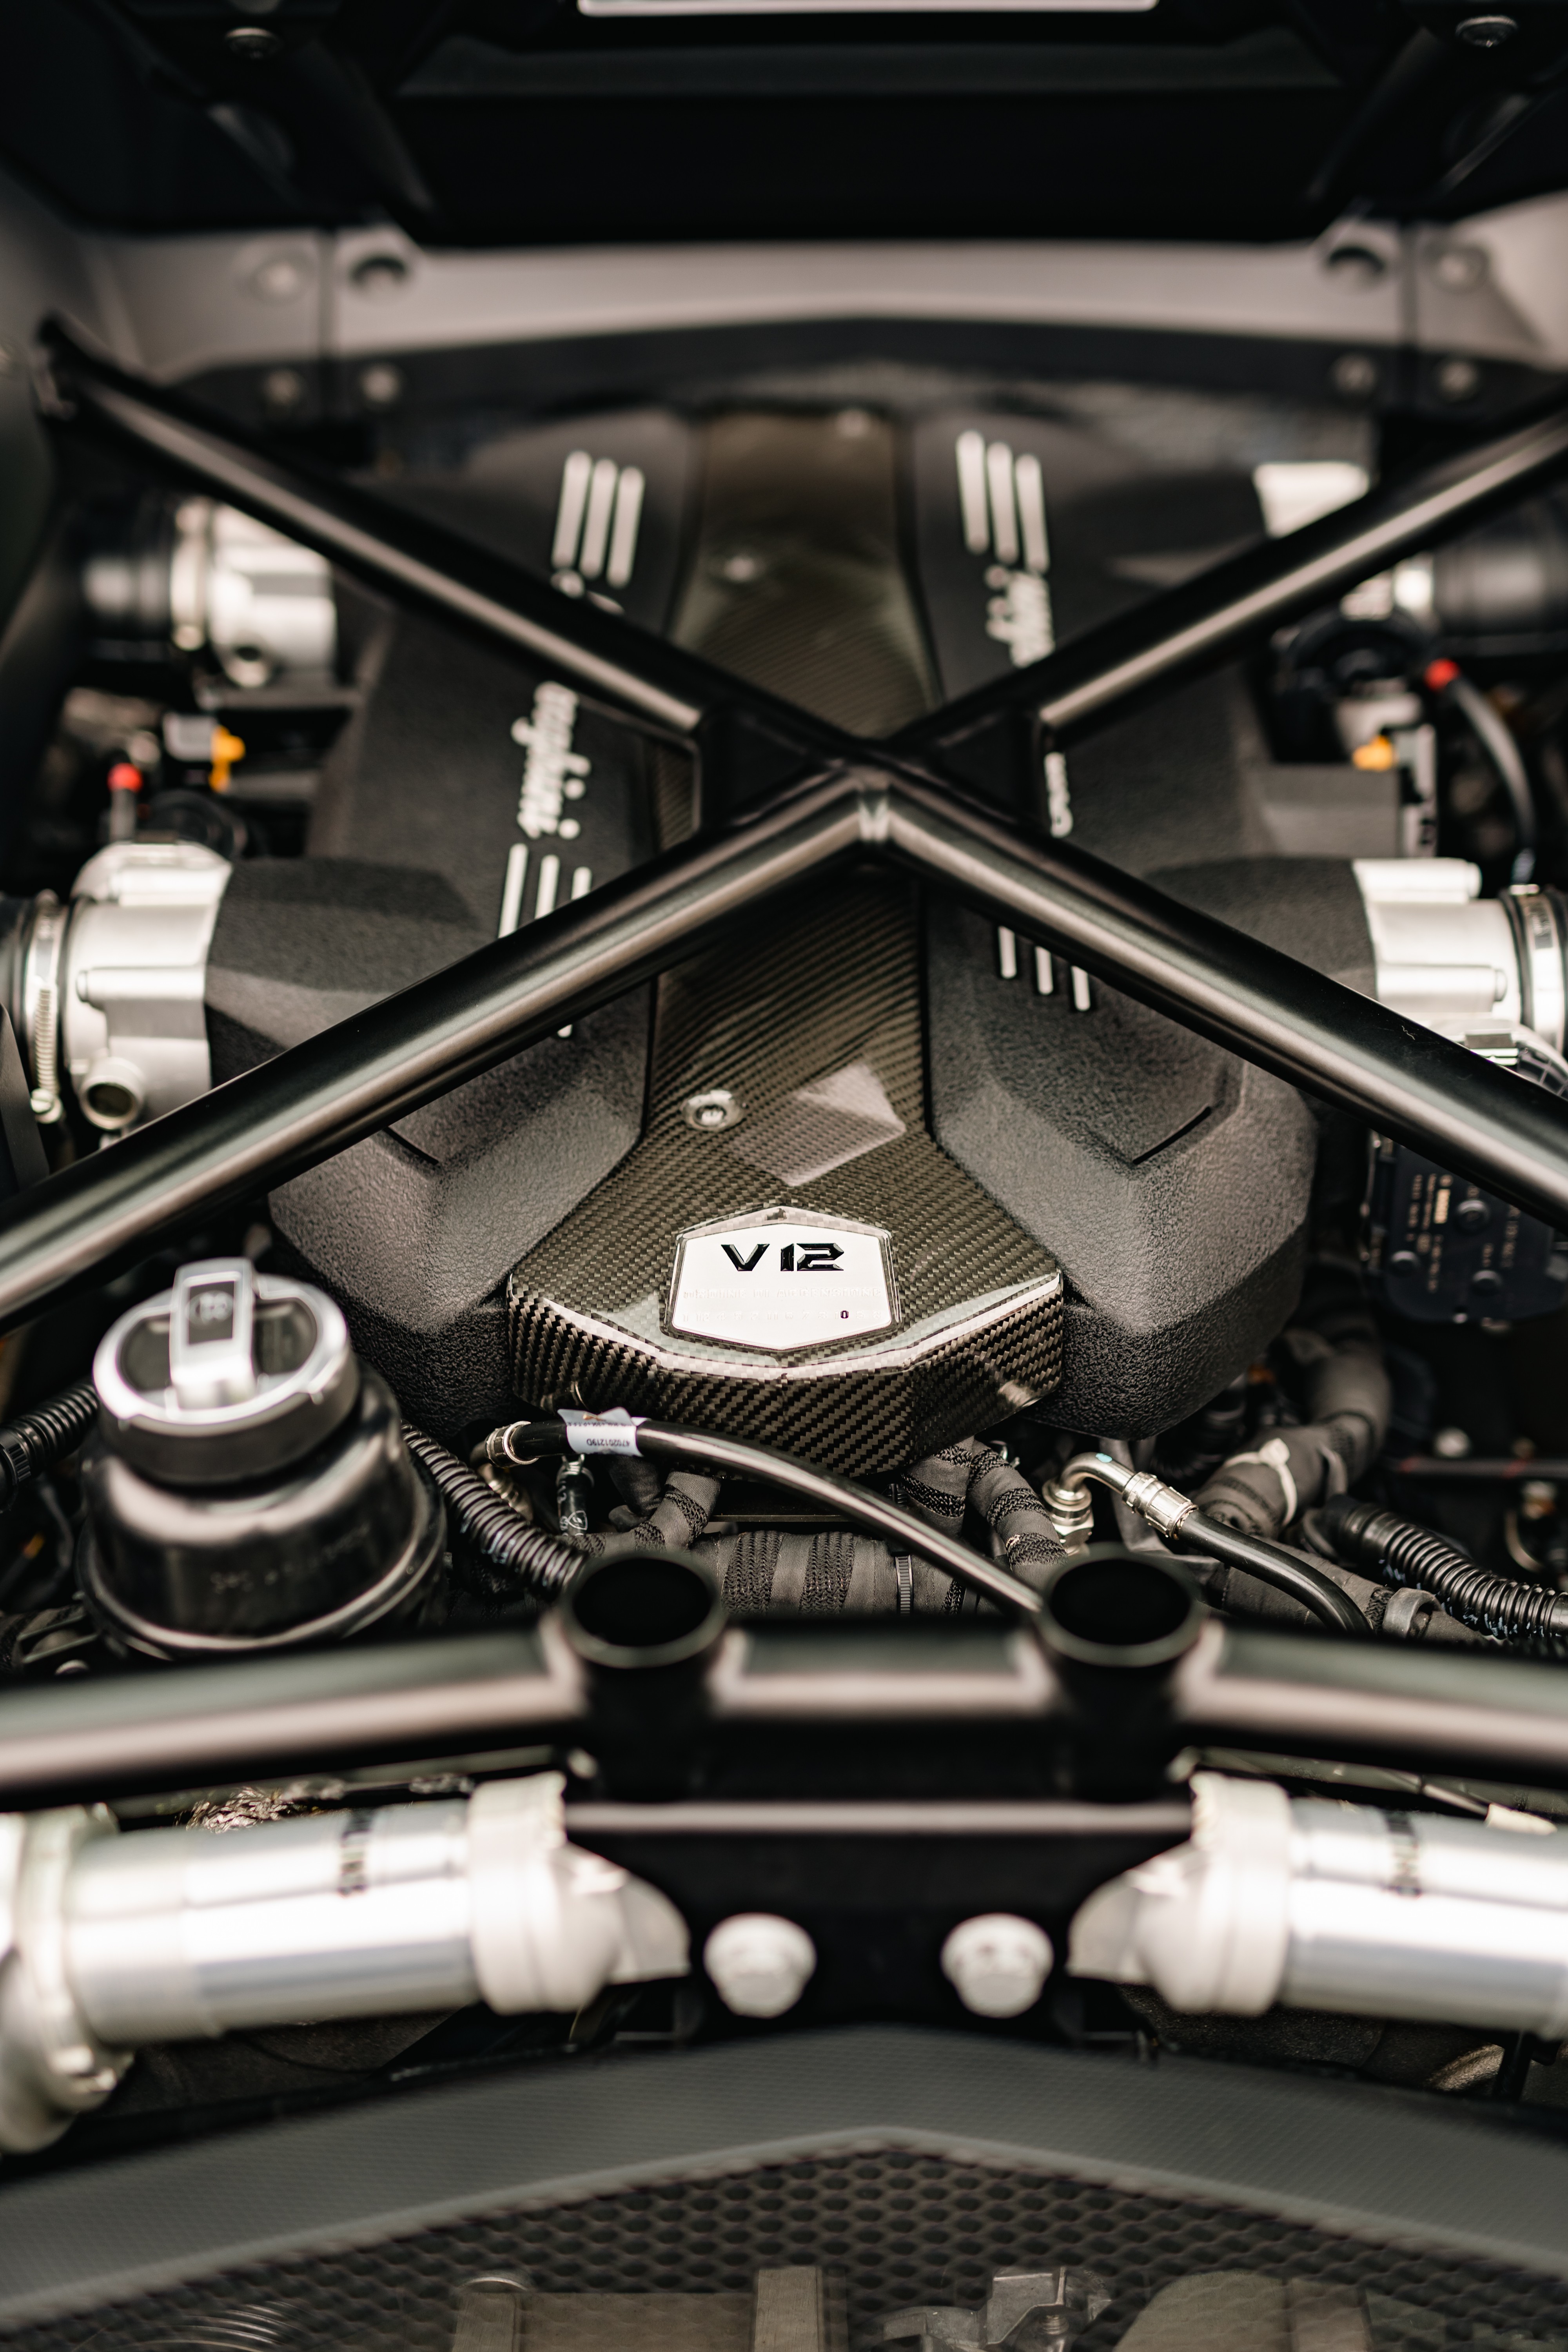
1061,1218
784,1254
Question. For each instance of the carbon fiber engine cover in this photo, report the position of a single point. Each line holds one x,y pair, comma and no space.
813,1030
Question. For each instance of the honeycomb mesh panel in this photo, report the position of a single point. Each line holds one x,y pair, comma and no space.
895,2226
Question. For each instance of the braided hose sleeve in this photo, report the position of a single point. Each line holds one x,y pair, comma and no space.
1023,1539
509,1548
937,1489
711,1453
832,1572
35,1441
1400,1553
1177,1517
678,1516
1274,1564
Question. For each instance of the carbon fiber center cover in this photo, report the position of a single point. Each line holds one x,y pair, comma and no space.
814,1029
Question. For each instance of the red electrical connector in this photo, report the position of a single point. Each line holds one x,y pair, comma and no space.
125,781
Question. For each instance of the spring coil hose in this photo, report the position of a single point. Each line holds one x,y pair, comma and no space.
35,1441
1400,1553
509,1550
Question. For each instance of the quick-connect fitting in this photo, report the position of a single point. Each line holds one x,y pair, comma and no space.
1177,1517
1164,1507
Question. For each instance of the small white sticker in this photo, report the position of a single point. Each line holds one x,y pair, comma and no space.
608,1433
782,1278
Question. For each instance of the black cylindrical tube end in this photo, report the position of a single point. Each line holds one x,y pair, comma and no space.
1113,1612
1115,1624
644,1613
646,1625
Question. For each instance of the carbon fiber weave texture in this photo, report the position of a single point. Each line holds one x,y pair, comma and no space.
827,982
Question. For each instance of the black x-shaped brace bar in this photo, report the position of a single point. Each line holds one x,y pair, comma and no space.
785,798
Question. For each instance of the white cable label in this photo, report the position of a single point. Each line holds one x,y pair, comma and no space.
1275,1456
603,1432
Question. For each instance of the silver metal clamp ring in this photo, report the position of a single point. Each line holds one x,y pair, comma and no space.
41,980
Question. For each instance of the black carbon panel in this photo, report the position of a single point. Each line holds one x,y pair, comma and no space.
796,581
894,2227
827,984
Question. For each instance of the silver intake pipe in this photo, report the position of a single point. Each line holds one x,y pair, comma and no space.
107,1942
1447,957
1341,1908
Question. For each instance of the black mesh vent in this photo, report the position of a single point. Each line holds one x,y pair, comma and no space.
895,2227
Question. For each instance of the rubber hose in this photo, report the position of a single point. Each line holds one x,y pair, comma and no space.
35,1441
1273,1564
506,1544
1504,752
972,1475
708,1451
681,1510
1023,1539
1402,1553
1234,1591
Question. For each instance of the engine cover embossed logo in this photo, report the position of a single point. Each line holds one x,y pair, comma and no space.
779,1280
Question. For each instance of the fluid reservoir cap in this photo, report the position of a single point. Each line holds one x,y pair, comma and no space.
230,1375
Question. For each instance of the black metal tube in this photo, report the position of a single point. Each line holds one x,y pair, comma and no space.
1483,1470
706,1449
1429,1710
1095,677
304,1105
1172,1513
420,562
304,1713
315,1099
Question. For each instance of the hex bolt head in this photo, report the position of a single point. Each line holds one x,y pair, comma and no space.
252,44
760,1964
710,1113
381,384
1486,32
1354,375
1456,380
997,1964
282,389
1072,1513
1460,268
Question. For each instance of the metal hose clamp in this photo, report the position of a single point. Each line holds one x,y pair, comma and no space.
1536,918
41,1005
